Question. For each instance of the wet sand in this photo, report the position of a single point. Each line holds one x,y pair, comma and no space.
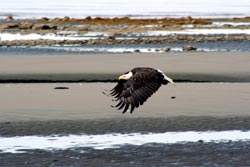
34,102
39,109
41,102
212,67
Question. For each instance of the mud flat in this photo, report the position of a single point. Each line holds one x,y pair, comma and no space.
83,101
81,108
203,67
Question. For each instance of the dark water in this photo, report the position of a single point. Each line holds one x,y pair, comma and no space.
191,154
229,154
220,46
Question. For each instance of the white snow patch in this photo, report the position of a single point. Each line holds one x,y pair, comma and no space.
21,144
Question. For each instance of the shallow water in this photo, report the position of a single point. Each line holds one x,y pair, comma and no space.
229,154
5,36
211,145
220,46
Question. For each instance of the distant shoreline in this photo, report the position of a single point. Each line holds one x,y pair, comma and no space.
124,30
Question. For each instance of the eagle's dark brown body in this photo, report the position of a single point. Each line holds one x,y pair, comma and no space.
136,86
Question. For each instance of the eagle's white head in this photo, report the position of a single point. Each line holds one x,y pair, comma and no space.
126,76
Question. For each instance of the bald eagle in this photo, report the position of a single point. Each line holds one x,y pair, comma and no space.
136,86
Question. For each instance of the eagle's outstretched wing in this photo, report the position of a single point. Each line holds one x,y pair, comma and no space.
135,91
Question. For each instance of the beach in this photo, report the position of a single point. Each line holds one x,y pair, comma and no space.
58,61
211,93
203,88
83,101
205,82
188,66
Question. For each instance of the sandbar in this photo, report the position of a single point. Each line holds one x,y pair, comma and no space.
201,66
85,101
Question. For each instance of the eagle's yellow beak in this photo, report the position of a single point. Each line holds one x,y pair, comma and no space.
121,77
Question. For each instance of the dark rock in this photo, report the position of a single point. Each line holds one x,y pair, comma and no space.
88,18
137,50
9,18
188,48
53,27
200,141
43,27
61,87
110,38
173,97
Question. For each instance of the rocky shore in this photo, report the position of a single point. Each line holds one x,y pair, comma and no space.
111,40
119,30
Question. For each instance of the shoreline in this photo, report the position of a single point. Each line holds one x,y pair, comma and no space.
124,125
182,67
110,31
